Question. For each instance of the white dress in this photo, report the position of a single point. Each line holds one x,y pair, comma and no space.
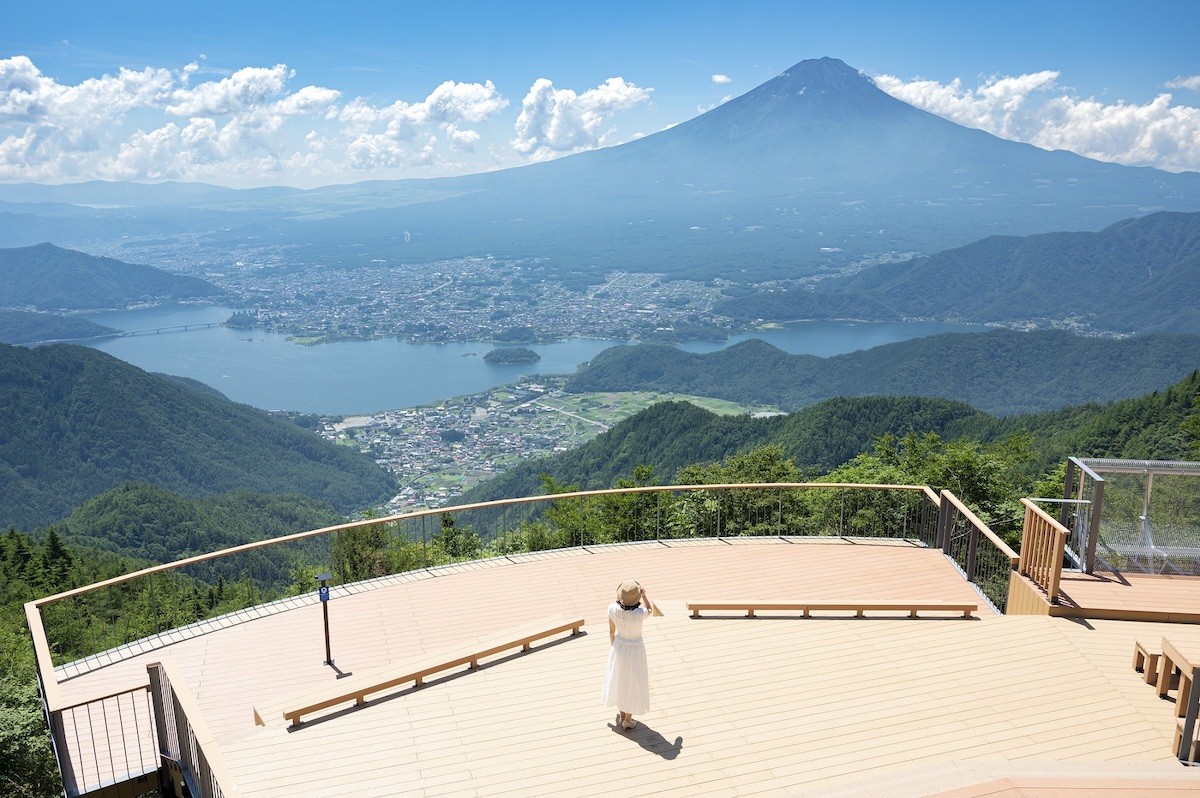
627,680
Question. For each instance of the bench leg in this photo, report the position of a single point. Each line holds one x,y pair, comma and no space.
1185,692
1165,669
1152,668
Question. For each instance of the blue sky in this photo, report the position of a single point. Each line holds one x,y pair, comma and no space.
304,93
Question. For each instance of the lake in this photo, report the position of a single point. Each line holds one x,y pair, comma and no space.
351,377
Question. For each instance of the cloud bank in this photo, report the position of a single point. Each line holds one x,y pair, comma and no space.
255,127
1034,109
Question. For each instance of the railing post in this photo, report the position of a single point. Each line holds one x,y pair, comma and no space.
153,604
1094,526
972,546
657,516
1059,541
1068,493
945,511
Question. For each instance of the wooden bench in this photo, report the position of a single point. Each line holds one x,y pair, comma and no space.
1145,660
1172,659
357,688
808,607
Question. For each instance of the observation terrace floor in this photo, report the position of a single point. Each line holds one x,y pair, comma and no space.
774,705
1129,597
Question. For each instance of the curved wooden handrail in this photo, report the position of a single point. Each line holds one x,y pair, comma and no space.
389,519
1004,548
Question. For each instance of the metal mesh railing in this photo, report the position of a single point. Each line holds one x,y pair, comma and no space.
1146,515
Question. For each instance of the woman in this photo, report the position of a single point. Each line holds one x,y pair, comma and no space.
627,681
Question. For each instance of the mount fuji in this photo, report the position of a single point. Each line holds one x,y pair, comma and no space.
815,169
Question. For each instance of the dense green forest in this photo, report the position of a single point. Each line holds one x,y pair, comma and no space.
1001,372
1163,425
20,327
47,277
154,524
512,355
1138,275
823,437
78,422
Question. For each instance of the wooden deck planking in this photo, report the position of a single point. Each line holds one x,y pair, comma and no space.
760,705
1147,597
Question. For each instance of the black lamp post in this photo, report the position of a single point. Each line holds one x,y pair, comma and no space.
323,592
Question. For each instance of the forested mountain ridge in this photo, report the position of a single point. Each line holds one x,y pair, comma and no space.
151,523
1002,372
669,436
47,277
20,327
1162,425
672,435
78,422
1137,275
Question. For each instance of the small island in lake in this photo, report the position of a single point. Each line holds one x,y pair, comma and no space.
512,356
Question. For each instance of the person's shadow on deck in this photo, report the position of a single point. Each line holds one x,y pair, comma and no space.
651,740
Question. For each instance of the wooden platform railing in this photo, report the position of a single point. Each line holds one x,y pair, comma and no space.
357,688
751,606
190,752
1043,545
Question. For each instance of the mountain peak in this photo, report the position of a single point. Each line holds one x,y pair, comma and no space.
825,69
831,88
818,96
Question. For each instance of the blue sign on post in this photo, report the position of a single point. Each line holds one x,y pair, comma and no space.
323,592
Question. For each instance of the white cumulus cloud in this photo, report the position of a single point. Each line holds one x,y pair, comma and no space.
1192,83
244,89
407,136
1033,108
721,80
554,121
250,126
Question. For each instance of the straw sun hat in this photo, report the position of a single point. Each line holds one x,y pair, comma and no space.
629,593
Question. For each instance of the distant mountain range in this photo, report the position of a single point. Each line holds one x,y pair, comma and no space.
1138,275
1002,372
816,168
77,422
46,277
